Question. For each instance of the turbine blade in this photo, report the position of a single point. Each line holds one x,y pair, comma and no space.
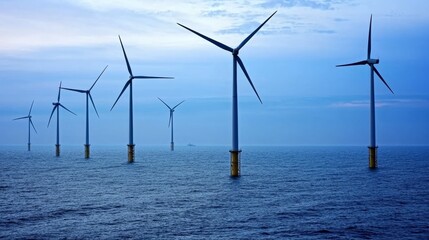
126,59
67,109
151,77
33,125
353,64
20,118
369,38
164,103
219,44
31,108
98,78
171,116
92,101
123,89
254,32
178,104
74,90
382,79
59,92
248,77
52,113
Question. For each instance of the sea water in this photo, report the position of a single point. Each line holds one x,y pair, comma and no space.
283,193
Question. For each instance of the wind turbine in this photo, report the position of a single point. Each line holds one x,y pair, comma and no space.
129,83
371,62
29,123
57,106
235,151
170,122
88,95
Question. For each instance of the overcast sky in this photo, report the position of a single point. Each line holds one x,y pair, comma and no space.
306,100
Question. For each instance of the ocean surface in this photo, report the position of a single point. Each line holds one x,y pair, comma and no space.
283,193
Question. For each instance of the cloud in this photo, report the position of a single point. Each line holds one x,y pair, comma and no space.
383,103
215,13
245,29
341,19
151,25
314,4
325,31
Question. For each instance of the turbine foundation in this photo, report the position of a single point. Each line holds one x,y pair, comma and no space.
131,153
57,150
29,147
87,150
235,163
172,146
373,157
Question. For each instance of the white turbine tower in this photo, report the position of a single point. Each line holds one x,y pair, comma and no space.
235,151
30,122
129,83
57,106
88,95
170,121
371,62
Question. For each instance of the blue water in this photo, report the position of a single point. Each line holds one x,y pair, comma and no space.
284,192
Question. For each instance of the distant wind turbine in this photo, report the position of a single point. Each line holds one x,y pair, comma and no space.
235,151
370,62
129,83
57,106
170,122
30,122
88,95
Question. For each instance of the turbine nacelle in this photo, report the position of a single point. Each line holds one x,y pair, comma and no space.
373,61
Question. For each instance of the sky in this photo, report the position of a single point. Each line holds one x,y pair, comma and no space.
291,60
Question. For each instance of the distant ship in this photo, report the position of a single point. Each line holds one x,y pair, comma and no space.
191,145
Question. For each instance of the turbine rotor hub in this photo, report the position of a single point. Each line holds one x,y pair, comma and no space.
373,61
235,51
